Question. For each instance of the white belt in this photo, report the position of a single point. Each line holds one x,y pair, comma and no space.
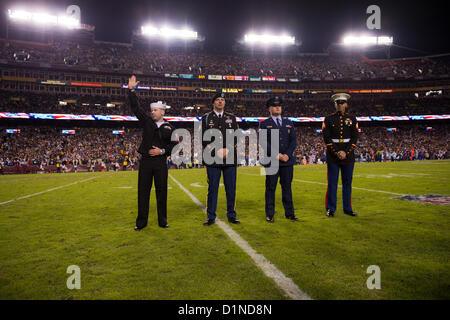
340,140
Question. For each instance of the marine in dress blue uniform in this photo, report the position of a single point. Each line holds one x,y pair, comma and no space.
340,133
221,120
287,144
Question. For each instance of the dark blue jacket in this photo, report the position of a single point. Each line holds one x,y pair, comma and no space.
152,135
287,137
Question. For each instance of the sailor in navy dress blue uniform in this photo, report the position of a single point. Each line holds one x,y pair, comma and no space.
221,120
340,133
156,145
287,145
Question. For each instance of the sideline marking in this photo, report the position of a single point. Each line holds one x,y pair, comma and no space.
339,186
52,189
269,269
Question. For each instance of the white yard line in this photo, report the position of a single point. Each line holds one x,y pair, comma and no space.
322,183
270,270
45,191
371,190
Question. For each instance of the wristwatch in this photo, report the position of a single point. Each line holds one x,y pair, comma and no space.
163,151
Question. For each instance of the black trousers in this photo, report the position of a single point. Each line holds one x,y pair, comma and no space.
152,169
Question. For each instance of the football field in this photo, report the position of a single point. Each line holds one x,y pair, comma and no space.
49,222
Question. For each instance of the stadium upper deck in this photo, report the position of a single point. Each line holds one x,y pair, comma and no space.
101,56
81,78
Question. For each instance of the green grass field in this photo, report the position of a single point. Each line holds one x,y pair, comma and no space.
90,224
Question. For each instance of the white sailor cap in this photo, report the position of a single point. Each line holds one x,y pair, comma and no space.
158,105
340,96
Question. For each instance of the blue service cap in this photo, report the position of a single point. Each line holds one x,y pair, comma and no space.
274,101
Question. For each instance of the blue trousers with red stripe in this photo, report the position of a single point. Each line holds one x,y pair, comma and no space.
333,177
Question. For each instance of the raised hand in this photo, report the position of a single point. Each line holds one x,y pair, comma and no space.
132,82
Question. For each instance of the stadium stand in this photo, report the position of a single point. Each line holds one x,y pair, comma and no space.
86,78
123,57
308,107
41,149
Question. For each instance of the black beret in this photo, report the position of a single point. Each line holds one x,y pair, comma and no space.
218,95
275,101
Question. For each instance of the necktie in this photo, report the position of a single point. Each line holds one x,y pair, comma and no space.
220,116
279,122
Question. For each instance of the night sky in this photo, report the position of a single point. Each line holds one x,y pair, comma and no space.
417,25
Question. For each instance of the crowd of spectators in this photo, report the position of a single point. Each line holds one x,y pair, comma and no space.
379,144
294,107
47,149
29,102
122,57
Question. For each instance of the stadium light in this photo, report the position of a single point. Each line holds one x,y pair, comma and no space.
19,15
68,22
268,39
42,18
364,40
169,33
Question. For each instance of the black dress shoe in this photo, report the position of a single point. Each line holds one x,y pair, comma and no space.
330,213
209,222
350,213
270,219
234,220
164,226
293,218
138,229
